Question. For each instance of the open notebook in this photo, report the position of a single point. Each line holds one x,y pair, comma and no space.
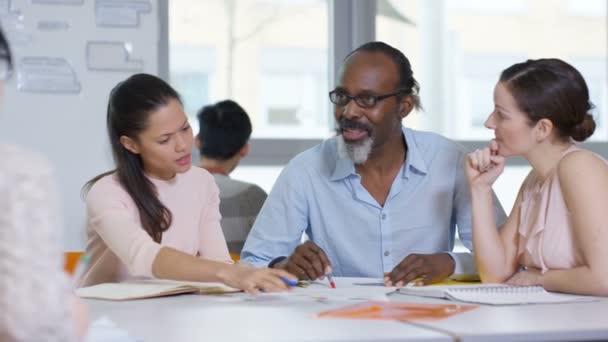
140,289
493,294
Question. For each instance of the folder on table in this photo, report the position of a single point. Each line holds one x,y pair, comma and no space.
396,311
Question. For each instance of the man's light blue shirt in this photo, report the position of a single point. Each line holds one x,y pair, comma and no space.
320,194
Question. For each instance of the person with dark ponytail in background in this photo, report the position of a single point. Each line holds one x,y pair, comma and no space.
557,232
156,216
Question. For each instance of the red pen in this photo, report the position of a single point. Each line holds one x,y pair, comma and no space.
331,281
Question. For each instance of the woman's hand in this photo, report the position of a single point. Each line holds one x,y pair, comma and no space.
484,166
528,277
252,280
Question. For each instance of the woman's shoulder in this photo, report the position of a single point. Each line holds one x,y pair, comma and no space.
18,161
22,169
581,164
579,161
197,176
106,186
26,173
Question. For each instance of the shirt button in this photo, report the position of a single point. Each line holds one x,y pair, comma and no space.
387,253
384,216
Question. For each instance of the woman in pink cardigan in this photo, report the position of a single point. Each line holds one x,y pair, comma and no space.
155,215
557,233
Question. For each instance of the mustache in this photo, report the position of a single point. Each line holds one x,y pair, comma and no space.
352,124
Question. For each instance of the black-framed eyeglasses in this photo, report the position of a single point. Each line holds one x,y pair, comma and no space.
364,101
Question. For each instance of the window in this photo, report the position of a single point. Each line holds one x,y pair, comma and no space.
587,8
270,56
293,89
458,49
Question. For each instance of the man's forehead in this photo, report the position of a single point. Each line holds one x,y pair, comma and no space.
370,68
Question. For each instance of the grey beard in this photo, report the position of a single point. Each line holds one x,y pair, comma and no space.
358,153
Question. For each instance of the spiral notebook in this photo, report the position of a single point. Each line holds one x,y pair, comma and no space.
493,294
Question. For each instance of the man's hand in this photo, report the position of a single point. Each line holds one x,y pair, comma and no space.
308,262
429,268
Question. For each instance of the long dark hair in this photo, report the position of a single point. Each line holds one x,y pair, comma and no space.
131,103
553,89
5,51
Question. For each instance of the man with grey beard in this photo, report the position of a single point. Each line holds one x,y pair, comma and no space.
379,199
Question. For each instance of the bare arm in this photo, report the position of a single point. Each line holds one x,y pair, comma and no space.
583,178
170,263
495,251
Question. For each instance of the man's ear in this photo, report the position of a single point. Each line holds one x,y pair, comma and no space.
406,104
197,142
130,144
543,129
244,150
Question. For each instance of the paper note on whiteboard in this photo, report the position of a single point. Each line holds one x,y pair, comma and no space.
120,13
47,75
111,56
58,2
53,25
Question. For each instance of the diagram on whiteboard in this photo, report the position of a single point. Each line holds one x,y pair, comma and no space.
120,13
53,25
47,75
111,56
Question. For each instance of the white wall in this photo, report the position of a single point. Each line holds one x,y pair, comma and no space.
69,129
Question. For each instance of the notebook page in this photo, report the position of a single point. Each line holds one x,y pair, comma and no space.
440,291
124,291
202,287
512,295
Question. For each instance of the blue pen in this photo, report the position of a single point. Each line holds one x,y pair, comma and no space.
289,281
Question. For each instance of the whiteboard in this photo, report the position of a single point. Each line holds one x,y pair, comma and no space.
69,54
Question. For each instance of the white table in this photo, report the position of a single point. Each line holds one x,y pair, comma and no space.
230,318
546,322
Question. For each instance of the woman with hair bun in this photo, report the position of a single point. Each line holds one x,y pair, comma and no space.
557,232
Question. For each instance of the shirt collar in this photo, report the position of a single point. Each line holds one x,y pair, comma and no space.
345,167
414,158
